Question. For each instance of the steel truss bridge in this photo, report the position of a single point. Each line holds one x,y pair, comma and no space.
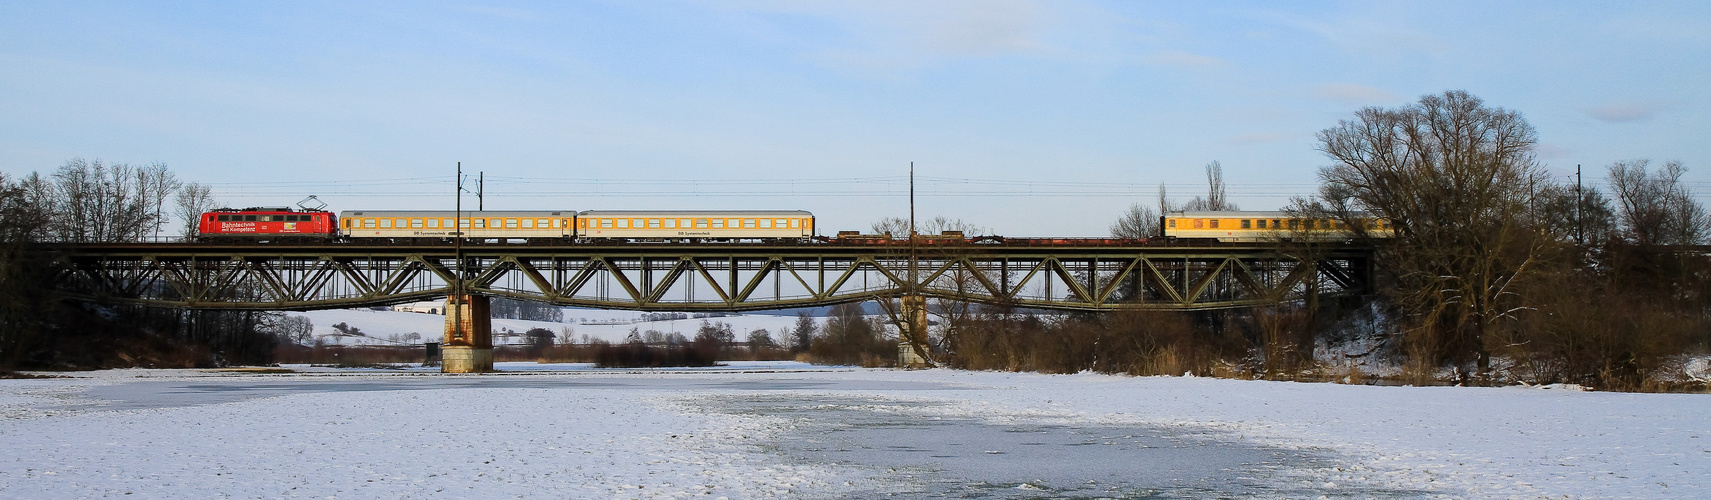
1062,275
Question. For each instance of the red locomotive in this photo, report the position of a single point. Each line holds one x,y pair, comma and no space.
268,223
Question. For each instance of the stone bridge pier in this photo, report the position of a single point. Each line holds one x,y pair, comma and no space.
912,339
468,345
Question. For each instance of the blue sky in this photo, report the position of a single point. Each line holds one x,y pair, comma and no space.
1030,118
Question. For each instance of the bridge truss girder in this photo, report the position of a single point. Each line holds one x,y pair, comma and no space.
711,277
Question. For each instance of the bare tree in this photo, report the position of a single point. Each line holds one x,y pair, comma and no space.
1217,199
1454,177
193,201
898,227
1655,207
99,201
1139,222
155,185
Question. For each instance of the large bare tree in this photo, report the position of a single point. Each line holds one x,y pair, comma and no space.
193,200
92,200
1140,221
1455,177
1217,198
1655,208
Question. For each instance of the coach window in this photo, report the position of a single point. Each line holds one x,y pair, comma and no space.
606,223
510,223
1214,223
1247,224
748,223
416,223
530,224
433,223
653,224
671,223
718,223
766,223
385,223
623,223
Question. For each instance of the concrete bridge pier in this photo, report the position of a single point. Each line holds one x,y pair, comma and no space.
912,340
468,345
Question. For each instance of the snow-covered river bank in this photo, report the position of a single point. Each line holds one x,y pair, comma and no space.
791,430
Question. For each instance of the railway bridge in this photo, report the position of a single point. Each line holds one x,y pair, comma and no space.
1051,274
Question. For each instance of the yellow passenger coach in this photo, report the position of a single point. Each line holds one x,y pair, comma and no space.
1267,226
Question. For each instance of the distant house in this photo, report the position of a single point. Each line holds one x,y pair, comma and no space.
430,307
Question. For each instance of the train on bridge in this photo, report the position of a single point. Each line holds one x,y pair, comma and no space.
275,224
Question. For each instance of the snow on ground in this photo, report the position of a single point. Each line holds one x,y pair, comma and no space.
573,431
381,327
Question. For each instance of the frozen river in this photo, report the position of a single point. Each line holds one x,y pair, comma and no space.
790,430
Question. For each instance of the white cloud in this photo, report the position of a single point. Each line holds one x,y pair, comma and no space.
1618,112
1352,93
